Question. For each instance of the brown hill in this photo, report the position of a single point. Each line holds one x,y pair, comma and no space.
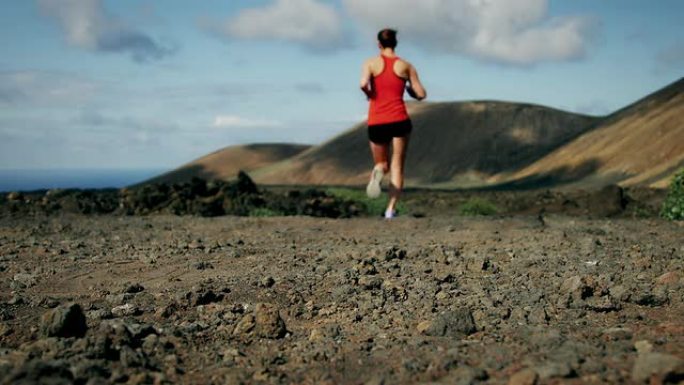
225,163
641,144
453,144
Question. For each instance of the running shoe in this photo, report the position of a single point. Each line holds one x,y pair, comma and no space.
390,214
373,189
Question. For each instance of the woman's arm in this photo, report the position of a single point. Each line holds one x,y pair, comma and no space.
367,80
415,88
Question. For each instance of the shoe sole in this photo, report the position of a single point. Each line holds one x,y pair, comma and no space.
373,189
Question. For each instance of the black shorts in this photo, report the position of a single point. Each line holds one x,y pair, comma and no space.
383,133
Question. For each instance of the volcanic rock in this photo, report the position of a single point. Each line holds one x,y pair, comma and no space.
64,321
268,323
456,324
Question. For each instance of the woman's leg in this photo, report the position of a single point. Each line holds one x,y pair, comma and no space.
380,155
399,147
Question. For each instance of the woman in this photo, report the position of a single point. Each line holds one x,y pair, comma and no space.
383,80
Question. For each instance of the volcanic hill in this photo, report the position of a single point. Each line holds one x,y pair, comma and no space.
484,144
641,144
452,144
224,164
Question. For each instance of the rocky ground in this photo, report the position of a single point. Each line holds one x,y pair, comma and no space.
435,298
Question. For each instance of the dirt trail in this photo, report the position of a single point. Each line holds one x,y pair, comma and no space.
436,300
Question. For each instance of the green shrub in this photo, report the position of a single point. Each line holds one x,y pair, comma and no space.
264,212
373,207
673,207
477,206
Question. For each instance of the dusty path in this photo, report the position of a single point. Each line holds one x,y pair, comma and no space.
354,301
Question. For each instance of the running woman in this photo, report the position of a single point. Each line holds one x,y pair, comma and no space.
383,80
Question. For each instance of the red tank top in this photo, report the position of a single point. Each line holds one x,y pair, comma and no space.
387,105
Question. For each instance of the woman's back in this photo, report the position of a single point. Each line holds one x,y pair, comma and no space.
387,104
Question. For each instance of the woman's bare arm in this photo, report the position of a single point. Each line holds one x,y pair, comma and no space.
415,88
367,80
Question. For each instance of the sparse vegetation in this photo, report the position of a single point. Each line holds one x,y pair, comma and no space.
373,207
477,206
673,207
264,212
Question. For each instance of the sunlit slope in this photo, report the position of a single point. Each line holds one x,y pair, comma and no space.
642,144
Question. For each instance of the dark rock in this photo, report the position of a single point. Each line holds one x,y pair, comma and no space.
650,297
456,324
83,370
602,304
394,253
64,321
245,184
203,265
267,282
606,202
134,288
204,296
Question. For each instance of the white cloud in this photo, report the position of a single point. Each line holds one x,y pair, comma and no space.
514,31
87,25
234,121
310,23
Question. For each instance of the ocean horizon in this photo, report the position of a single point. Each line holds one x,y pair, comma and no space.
43,179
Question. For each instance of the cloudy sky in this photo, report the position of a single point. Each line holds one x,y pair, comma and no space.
154,84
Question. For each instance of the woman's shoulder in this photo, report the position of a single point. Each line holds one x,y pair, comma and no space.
403,62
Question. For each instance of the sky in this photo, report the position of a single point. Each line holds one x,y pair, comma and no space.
134,84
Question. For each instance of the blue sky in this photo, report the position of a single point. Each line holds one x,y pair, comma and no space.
154,84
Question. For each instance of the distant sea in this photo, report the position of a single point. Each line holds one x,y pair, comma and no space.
28,180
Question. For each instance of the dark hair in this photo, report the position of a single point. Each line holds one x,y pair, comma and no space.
387,38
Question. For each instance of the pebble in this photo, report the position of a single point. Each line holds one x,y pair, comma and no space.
267,282
554,370
524,377
424,326
125,310
134,288
24,280
370,282
456,323
643,346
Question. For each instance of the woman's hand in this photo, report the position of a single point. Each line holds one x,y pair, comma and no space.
414,87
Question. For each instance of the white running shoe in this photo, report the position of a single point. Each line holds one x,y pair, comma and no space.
390,214
373,189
